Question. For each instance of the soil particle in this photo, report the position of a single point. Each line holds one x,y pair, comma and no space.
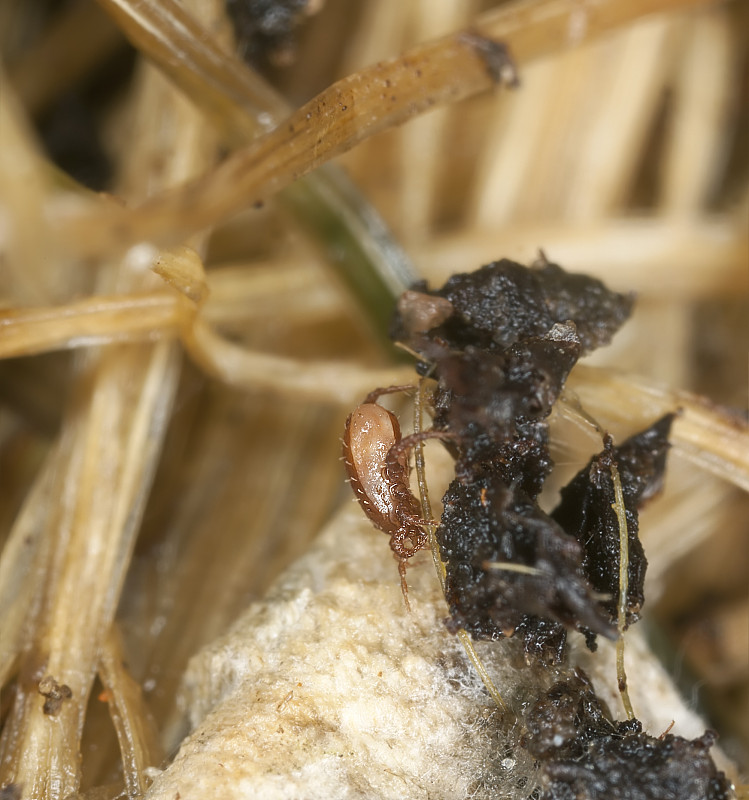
585,755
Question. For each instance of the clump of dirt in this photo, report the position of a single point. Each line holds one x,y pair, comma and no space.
584,754
500,343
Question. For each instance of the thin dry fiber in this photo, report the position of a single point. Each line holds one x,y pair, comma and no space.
177,363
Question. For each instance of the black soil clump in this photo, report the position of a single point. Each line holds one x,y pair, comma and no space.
585,755
586,512
501,342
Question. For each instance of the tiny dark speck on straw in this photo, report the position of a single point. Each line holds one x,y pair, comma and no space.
496,55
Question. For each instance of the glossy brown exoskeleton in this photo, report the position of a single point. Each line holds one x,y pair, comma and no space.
375,456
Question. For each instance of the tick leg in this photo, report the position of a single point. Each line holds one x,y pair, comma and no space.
404,585
374,395
392,459
420,522
407,541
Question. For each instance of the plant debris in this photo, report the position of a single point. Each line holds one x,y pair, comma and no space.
586,510
500,343
55,695
584,754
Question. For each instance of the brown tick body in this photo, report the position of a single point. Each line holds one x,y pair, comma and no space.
376,460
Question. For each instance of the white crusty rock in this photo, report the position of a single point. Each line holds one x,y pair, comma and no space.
328,688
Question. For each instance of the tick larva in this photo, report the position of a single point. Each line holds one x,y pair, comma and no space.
375,456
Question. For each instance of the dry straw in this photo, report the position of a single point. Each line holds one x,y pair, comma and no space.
178,361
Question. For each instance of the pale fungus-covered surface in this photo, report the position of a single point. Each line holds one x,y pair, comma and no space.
329,688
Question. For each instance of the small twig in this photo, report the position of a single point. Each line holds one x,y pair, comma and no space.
243,105
508,566
327,381
88,322
465,640
621,515
348,112
137,738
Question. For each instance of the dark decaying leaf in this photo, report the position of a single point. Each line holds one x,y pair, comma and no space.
586,512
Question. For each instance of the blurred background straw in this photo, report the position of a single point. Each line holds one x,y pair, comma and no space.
176,371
